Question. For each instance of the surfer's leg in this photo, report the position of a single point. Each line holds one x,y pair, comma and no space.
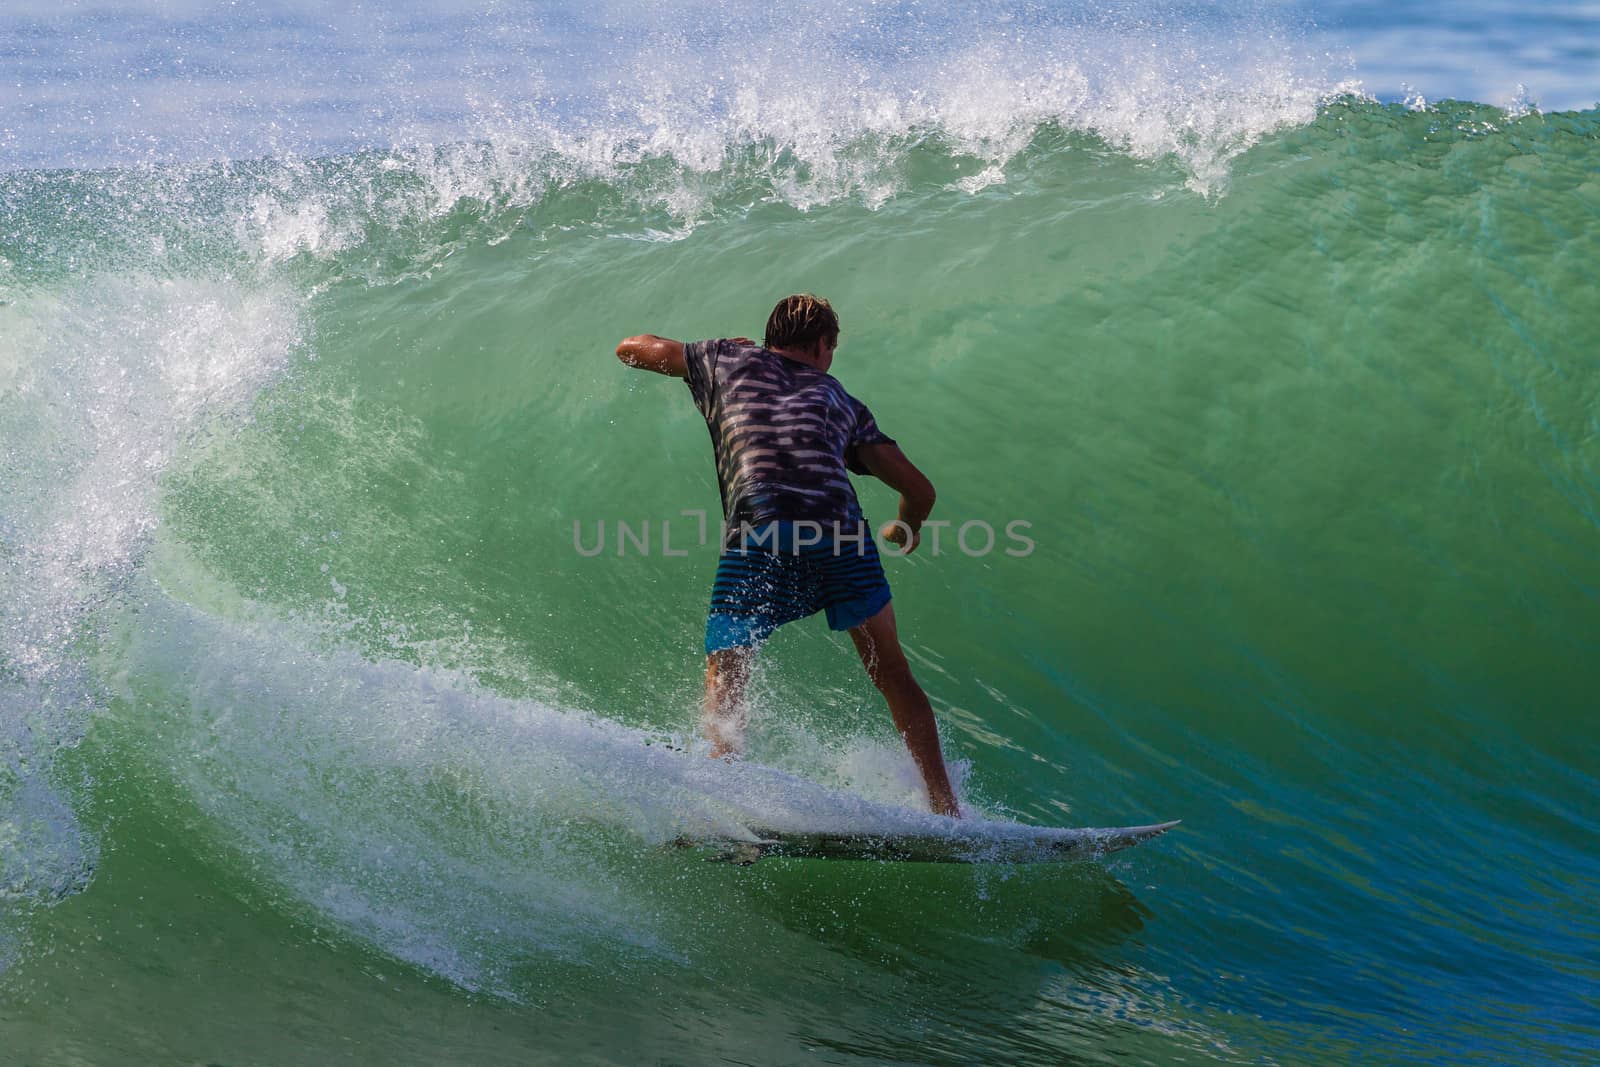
725,713
878,643
745,609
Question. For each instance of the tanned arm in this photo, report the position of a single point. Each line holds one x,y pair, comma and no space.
649,352
890,466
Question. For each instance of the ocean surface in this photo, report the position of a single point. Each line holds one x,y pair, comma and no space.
326,737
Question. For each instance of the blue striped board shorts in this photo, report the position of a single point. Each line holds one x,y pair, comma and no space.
768,580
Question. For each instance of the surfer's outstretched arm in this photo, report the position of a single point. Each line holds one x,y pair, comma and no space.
649,352
878,642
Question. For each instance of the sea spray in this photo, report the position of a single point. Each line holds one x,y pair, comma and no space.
106,379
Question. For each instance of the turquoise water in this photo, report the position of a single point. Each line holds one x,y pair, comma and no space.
324,743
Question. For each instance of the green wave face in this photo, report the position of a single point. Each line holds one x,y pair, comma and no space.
322,703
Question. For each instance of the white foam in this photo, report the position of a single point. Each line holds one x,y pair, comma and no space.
1521,104
973,183
1154,87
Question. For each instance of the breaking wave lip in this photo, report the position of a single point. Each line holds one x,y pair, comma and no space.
384,216
689,78
690,117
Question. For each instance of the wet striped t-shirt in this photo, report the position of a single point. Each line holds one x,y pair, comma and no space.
784,435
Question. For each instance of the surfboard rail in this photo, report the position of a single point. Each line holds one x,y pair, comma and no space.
980,842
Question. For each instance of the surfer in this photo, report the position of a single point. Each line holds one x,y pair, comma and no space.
784,432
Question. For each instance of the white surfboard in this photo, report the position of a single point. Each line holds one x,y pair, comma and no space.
957,841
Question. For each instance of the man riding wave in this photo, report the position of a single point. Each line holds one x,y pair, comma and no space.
785,433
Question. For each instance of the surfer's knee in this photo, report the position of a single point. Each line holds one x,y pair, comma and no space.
891,673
